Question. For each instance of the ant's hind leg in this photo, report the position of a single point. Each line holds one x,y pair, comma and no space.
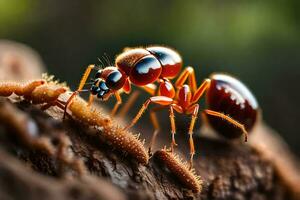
91,100
200,90
81,85
229,120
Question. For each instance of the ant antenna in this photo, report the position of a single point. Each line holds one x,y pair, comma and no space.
98,67
101,64
107,59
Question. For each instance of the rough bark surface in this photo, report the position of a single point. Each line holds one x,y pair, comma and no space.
228,170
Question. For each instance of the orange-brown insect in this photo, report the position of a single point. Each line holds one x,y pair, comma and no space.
111,132
21,89
232,109
180,169
36,91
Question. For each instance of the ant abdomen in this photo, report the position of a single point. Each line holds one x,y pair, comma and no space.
230,96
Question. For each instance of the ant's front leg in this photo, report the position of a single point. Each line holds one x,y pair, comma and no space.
229,120
81,85
117,104
91,100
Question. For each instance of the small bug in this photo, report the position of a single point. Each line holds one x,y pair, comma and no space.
138,66
232,108
180,169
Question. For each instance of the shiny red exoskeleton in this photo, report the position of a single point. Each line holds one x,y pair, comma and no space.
139,66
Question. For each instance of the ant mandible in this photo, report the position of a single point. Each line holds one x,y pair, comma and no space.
138,66
232,109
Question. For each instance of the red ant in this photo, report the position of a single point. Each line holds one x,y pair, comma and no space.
138,66
232,109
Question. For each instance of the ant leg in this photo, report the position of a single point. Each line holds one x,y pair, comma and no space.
160,100
81,84
73,95
127,87
118,103
200,91
85,76
156,126
91,99
194,109
132,98
178,109
173,128
150,88
188,73
229,120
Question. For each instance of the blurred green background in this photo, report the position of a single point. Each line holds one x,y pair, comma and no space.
257,41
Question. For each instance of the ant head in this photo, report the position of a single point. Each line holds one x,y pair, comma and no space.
107,81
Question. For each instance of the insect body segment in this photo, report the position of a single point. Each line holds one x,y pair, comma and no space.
20,89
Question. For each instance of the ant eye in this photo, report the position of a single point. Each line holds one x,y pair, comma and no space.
101,94
115,80
103,86
94,89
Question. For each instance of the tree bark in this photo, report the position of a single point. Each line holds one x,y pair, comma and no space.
229,170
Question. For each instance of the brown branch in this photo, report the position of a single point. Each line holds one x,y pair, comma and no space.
228,170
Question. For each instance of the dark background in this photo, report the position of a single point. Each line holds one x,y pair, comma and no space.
257,41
